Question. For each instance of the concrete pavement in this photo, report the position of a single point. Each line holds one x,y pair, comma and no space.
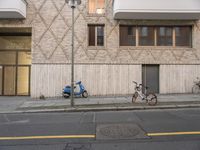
27,104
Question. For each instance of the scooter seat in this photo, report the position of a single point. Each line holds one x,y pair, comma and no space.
70,87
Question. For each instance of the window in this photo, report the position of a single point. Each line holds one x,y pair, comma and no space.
127,36
96,35
146,36
164,36
96,6
155,35
183,36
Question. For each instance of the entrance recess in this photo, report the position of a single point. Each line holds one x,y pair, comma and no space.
15,62
150,77
1,77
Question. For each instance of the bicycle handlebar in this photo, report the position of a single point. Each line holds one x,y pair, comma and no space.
135,82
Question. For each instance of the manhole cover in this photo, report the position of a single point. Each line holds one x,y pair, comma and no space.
78,147
119,131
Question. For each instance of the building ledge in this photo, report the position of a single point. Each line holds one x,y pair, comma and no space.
157,9
13,9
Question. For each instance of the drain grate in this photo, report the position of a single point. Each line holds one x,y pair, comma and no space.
119,131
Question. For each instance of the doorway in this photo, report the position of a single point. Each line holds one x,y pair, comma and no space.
15,78
150,77
15,61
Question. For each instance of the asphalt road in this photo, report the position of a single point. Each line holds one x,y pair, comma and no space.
115,130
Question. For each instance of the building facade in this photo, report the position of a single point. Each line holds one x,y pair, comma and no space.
113,47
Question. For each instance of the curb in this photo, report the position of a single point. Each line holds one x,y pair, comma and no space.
110,108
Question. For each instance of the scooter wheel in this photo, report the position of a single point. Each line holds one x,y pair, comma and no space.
85,94
66,95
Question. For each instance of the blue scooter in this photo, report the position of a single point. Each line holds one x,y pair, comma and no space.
81,92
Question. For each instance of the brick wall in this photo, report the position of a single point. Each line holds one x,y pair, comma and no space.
51,41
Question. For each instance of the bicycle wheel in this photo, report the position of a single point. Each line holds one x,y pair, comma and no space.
134,98
152,99
195,89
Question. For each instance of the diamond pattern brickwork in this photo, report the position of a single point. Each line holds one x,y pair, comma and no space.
51,26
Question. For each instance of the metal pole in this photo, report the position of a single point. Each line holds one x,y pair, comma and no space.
72,58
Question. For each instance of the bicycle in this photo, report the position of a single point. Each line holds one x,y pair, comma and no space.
151,98
196,86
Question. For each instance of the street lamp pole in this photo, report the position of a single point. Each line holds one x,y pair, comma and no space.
72,58
72,4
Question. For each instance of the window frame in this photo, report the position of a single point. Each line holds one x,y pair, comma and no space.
165,36
190,34
128,35
173,36
154,35
96,35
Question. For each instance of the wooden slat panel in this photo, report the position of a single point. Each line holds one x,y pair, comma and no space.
178,78
135,74
49,80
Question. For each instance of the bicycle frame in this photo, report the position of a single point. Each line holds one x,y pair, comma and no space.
138,89
141,95
197,81
196,86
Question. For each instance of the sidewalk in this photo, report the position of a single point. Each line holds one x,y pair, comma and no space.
26,104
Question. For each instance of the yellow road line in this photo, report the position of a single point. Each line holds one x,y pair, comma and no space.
91,136
174,133
47,137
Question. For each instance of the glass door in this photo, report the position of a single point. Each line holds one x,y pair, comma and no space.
14,80
23,76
